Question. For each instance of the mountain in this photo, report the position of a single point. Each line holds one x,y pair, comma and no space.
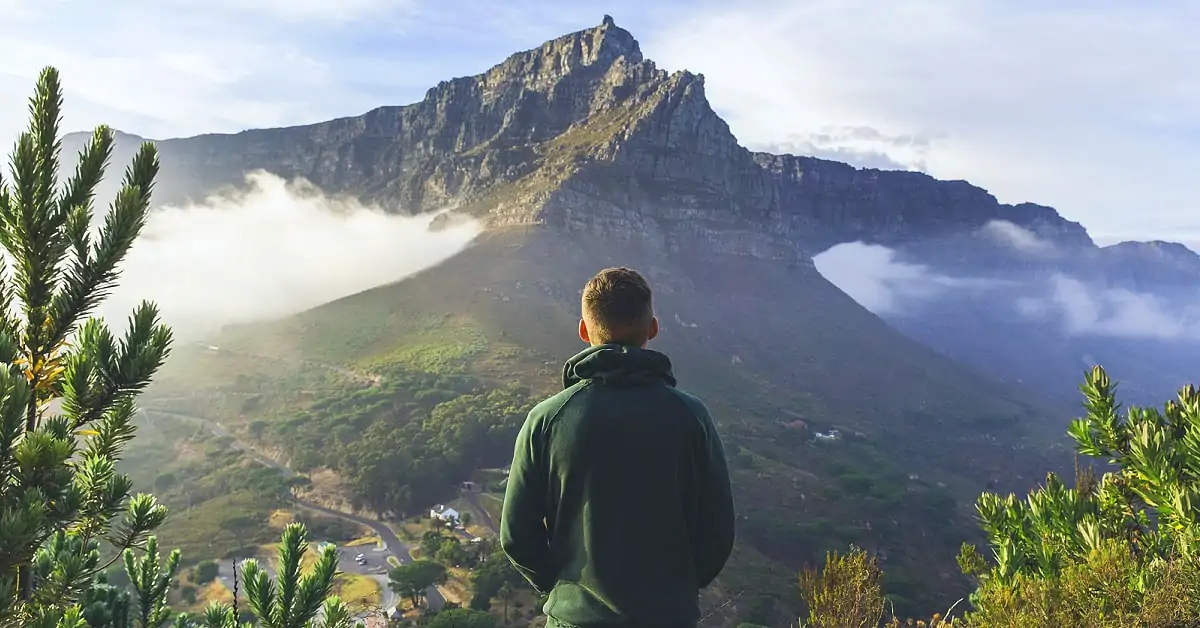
582,154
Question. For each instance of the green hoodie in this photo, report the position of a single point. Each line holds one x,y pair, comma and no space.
618,501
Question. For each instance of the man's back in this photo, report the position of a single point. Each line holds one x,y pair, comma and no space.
630,476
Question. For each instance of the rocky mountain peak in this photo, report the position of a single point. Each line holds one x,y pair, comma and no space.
594,50
584,133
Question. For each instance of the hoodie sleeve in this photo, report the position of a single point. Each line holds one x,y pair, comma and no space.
523,534
713,541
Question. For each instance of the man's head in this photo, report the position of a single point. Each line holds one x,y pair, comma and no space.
617,308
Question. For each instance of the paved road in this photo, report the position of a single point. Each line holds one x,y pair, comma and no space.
391,544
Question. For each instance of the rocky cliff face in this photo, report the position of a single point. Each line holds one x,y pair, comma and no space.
584,134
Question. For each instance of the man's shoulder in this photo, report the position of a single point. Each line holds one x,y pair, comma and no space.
693,403
553,404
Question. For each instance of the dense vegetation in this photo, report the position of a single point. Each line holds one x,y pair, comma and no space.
399,443
1116,550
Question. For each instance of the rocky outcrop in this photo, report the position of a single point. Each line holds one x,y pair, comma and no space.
1154,266
893,207
583,133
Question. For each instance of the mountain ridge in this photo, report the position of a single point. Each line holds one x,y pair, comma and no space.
583,132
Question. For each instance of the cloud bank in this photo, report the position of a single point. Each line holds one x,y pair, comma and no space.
872,276
1089,311
269,250
875,277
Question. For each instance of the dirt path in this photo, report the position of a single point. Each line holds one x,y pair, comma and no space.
366,378
473,499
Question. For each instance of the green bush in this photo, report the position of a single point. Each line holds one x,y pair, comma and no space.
205,572
1118,550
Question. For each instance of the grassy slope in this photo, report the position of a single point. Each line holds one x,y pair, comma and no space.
219,500
776,352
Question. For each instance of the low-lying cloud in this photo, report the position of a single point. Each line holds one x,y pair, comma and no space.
872,276
1019,238
1107,312
269,250
875,277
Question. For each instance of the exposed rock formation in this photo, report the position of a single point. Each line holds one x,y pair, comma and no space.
585,134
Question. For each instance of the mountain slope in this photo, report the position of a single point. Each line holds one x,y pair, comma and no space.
579,155
778,352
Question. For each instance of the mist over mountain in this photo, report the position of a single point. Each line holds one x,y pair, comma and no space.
271,249
1036,312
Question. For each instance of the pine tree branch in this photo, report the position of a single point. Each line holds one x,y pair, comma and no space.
90,279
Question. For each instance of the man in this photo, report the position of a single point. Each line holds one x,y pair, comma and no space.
618,501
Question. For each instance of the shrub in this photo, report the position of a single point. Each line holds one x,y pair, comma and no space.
846,593
205,572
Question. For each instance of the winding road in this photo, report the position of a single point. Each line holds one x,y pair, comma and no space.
392,545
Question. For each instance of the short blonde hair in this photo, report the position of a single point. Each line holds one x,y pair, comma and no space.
617,306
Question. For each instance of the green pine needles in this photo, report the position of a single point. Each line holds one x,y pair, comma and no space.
68,388
61,494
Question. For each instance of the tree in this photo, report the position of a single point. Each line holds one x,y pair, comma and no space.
67,399
506,594
295,599
64,492
462,618
451,552
431,542
413,579
490,576
465,518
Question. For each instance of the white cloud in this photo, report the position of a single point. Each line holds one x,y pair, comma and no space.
195,67
270,250
1091,107
862,147
326,11
1113,312
874,277
1019,238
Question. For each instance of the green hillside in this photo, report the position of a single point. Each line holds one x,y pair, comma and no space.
402,391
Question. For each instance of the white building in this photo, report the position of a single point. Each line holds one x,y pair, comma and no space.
449,515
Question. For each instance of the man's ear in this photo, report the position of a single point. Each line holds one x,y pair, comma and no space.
653,329
583,332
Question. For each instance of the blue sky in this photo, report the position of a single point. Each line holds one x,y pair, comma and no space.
1092,107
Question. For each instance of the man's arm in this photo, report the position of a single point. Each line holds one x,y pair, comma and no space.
523,534
715,528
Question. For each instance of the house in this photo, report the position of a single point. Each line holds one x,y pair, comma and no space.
831,435
448,515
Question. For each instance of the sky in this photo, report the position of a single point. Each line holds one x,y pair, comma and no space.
1091,107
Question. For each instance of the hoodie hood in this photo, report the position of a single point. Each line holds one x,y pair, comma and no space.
618,365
